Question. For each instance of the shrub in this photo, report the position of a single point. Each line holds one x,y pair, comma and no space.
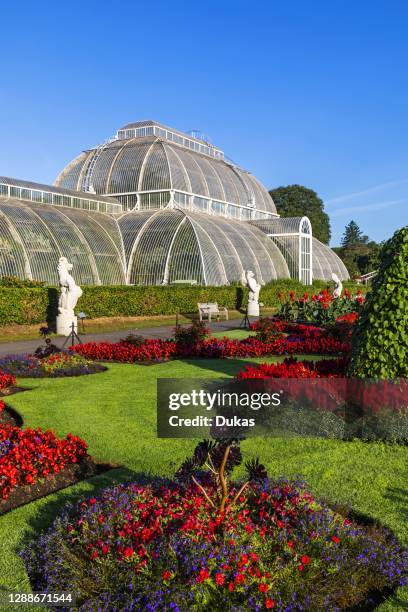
133,339
14,281
380,338
173,546
191,336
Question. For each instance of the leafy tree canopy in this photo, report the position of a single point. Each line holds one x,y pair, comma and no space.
299,201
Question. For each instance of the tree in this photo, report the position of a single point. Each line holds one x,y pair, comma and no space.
380,338
358,253
299,201
352,235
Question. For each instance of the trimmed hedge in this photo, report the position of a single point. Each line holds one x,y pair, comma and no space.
380,338
28,305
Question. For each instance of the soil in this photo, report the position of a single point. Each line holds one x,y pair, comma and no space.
8,416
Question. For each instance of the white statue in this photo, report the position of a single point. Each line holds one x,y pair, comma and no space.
338,287
248,279
70,293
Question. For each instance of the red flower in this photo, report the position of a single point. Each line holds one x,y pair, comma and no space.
219,579
128,552
305,559
290,543
105,549
240,579
33,454
269,603
263,588
335,539
231,587
204,574
166,575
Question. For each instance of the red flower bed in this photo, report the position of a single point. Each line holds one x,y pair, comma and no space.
29,455
150,350
292,368
6,380
213,348
350,317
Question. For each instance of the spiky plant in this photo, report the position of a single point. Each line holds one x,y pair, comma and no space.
216,459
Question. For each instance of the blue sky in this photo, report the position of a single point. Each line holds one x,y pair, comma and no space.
297,92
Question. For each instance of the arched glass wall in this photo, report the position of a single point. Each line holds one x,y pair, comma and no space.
34,237
326,261
173,245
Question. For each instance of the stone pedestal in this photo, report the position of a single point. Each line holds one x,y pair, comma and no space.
64,324
253,309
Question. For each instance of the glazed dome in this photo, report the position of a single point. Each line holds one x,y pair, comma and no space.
149,159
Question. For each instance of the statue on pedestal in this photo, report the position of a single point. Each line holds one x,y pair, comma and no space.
70,293
248,279
338,287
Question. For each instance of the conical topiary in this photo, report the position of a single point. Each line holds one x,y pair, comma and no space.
380,339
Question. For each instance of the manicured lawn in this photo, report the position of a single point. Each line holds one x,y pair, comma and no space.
234,334
115,413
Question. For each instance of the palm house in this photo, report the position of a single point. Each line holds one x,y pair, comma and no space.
155,206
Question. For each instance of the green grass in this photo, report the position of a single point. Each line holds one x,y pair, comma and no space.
234,334
115,413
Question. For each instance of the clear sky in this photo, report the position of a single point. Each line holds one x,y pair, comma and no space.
297,92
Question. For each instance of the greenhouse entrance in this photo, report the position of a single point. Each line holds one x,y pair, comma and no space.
293,236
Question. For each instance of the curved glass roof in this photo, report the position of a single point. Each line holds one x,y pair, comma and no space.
173,245
162,159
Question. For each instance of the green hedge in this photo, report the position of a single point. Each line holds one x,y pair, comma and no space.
380,339
28,305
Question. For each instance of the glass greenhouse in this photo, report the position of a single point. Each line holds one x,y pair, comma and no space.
155,206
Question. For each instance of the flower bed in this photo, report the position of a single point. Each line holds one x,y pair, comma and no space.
7,380
213,348
320,308
292,368
170,546
369,409
55,365
31,457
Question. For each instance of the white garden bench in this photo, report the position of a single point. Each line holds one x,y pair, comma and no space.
209,309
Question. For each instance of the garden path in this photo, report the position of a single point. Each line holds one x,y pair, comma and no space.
162,332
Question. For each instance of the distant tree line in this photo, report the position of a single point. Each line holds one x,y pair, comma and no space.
359,254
